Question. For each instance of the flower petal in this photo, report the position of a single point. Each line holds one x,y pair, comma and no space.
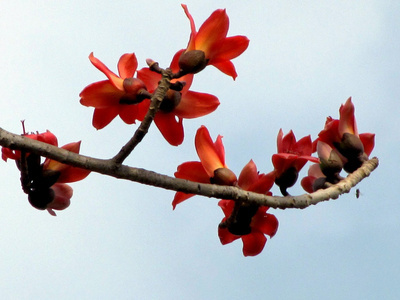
211,155
103,116
149,78
253,243
248,176
170,127
114,79
347,121
231,48
101,94
191,44
194,105
212,33
368,140
225,236
265,223
127,65
226,67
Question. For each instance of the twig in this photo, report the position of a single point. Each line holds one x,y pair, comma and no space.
111,168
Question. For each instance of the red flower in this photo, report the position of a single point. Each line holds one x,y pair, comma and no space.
343,135
45,183
256,220
45,137
218,50
119,95
290,159
212,158
177,105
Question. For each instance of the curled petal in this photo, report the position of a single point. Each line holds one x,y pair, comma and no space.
127,65
227,207
263,184
347,122
191,44
114,79
103,116
212,155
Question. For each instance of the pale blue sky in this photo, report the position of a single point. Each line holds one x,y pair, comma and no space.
121,240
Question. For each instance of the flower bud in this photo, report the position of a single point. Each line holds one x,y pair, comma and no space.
133,88
40,198
242,221
170,101
192,62
223,176
332,166
350,146
287,179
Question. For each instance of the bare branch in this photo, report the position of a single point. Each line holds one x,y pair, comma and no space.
111,168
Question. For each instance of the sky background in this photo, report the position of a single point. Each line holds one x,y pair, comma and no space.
122,240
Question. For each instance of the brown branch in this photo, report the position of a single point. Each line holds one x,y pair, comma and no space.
110,168
144,126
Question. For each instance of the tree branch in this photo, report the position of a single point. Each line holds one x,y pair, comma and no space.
111,168
144,126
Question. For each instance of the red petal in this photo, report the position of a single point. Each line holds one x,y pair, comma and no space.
62,195
191,44
170,127
303,146
226,206
225,236
231,47
265,223
194,105
368,140
307,183
211,155
212,33
149,78
263,184
101,94
226,67
114,79
253,243
127,65
347,121
103,116
193,171
248,176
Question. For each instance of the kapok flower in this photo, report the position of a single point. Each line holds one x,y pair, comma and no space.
210,46
177,105
45,183
119,95
343,135
249,222
210,169
45,137
328,170
290,159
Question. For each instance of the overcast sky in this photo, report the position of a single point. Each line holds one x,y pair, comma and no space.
122,240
